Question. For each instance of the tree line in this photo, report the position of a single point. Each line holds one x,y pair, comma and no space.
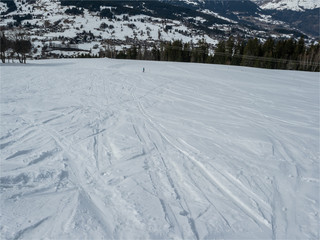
164,51
273,54
18,47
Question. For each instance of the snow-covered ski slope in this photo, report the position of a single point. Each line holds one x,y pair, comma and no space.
97,149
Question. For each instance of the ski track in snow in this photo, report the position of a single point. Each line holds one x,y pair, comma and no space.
96,149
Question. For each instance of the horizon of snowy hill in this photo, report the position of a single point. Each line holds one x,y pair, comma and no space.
98,149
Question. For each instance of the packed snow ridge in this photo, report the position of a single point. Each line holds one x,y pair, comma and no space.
99,149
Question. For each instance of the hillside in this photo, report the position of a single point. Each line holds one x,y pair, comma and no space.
295,5
60,28
94,149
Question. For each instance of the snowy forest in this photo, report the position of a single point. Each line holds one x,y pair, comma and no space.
272,54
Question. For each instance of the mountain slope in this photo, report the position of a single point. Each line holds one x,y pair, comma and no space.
71,28
295,5
301,14
96,149
307,20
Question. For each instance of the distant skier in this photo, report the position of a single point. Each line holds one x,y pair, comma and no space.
142,69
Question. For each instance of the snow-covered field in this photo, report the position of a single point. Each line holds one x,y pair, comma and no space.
94,149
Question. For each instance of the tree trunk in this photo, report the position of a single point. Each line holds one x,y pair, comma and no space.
20,59
3,57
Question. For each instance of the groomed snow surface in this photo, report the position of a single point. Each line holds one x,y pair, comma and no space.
97,149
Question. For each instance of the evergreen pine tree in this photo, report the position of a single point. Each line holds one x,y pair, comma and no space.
229,47
220,53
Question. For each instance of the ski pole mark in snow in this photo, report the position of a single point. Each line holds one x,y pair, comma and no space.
28,229
19,153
